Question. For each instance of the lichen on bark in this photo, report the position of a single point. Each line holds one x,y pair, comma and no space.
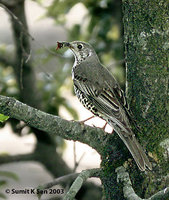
146,33
146,56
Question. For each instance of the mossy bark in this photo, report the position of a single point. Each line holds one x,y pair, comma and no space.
146,29
146,57
146,49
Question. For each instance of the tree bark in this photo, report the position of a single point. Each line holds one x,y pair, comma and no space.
146,51
24,72
146,56
146,35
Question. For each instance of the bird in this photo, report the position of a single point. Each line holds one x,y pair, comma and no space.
99,92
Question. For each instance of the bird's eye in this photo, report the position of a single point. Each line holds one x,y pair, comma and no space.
79,46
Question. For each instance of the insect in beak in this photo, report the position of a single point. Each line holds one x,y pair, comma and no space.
62,44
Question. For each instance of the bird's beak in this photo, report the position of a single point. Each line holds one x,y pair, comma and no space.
62,44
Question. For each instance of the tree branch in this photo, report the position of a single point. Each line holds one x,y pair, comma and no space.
60,180
123,177
161,195
69,130
129,193
16,158
45,154
10,2
83,176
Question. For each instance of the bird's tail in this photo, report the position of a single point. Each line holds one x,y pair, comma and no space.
136,150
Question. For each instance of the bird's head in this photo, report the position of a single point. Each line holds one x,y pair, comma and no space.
81,50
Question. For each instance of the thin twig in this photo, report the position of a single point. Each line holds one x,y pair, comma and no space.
77,184
80,159
76,163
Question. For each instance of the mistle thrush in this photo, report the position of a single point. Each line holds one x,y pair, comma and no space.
100,93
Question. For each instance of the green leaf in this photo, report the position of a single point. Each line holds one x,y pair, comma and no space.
3,118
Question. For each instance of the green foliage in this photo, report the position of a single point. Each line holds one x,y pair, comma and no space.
8,85
3,118
59,9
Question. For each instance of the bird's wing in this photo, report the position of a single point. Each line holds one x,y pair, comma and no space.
106,96
104,101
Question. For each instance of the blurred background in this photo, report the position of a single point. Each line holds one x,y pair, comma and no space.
34,73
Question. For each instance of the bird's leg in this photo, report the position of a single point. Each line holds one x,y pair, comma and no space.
104,127
83,121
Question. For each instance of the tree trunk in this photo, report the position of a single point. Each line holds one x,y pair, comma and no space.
146,51
27,83
146,35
